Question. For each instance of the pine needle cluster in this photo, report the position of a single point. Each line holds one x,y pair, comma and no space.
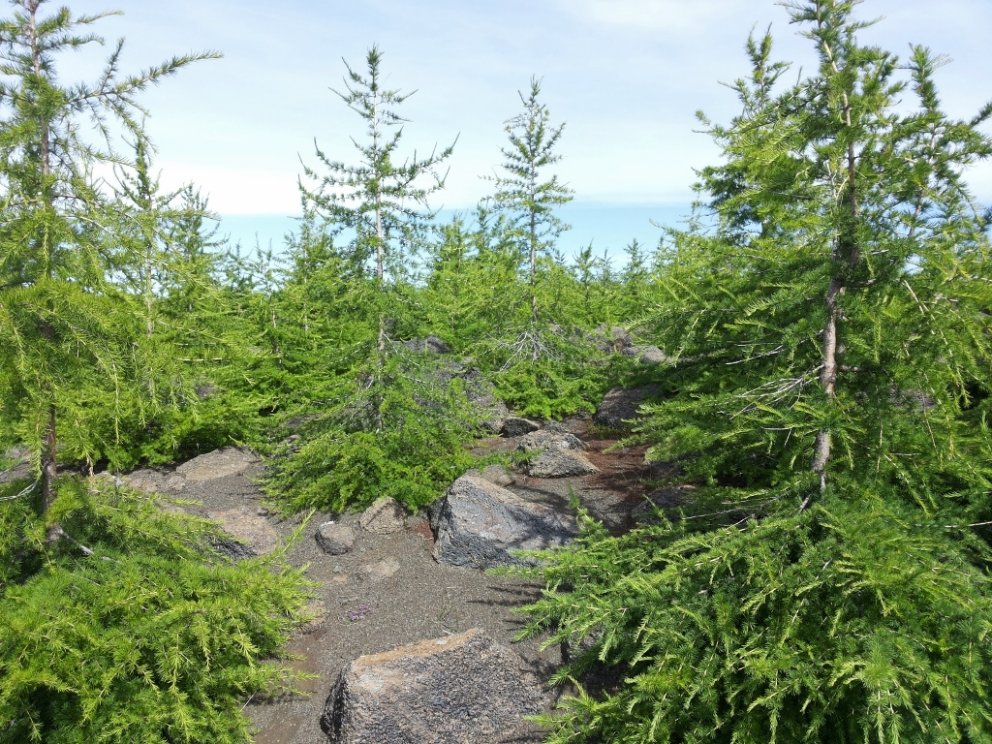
133,628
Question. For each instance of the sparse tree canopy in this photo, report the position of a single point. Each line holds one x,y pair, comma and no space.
382,199
524,190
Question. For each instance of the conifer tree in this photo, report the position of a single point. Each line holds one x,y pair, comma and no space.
383,199
57,321
826,578
539,356
145,211
391,423
524,190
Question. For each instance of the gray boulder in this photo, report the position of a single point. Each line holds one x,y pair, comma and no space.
667,501
461,689
20,467
384,517
646,354
233,549
620,406
429,345
515,426
611,339
558,454
335,539
546,439
560,463
477,523
481,393
494,474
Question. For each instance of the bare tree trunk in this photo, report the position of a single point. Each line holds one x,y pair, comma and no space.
846,255
49,460
828,381
380,276
380,272
533,267
148,290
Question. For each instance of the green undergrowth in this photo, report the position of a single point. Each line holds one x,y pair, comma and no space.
849,623
400,430
133,628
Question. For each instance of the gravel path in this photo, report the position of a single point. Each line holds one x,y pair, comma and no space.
388,590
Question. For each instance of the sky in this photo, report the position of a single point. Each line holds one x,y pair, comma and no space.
626,77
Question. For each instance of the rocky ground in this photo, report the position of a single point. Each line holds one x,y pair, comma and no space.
388,590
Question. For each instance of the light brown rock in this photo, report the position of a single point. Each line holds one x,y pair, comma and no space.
461,689
384,517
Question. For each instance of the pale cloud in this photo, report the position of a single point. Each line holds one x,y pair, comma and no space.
625,76
649,15
237,190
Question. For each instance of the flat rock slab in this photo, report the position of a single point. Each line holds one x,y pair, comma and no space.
248,528
461,689
380,570
477,523
217,485
221,463
150,480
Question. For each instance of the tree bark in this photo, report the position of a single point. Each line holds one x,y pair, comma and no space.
49,462
845,256
49,459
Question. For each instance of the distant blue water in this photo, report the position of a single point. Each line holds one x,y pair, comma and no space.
608,227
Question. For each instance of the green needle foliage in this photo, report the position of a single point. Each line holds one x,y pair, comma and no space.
522,189
539,357
381,419
58,311
827,579
136,630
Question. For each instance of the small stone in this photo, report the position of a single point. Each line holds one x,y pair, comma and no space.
335,539
383,569
384,517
